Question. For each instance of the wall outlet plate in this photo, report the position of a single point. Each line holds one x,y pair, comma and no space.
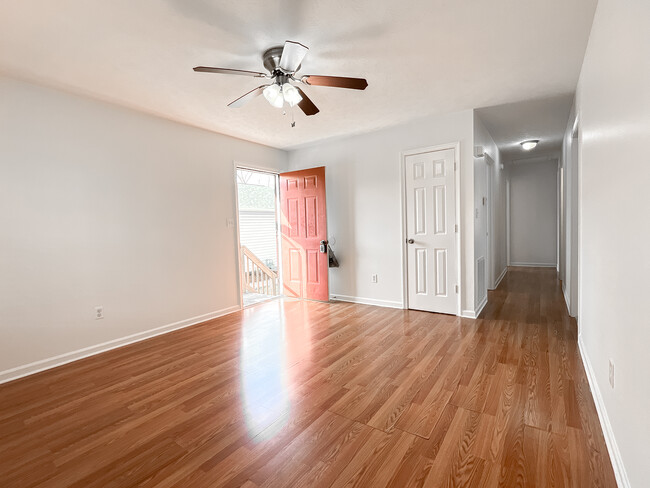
99,313
373,278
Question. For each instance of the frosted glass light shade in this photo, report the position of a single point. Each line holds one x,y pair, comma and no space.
273,93
291,94
528,145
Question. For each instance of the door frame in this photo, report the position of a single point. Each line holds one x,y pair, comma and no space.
455,146
260,169
490,246
576,217
508,220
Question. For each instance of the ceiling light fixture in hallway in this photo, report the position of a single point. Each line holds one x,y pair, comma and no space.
530,144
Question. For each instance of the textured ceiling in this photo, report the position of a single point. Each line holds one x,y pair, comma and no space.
420,57
544,119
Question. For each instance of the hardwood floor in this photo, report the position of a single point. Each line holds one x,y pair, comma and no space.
306,394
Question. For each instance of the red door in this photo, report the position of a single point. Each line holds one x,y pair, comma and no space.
303,227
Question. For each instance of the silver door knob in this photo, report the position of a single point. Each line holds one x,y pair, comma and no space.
410,241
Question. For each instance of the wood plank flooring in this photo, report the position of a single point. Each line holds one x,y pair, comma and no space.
304,394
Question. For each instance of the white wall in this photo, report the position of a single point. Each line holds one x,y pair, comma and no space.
613,108
364,203
100,205
533,213
483,172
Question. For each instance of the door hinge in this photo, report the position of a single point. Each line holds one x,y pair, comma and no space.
456,289
456,228
454,166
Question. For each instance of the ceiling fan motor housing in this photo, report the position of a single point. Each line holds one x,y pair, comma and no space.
271,59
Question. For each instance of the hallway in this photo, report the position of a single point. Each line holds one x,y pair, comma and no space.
315,394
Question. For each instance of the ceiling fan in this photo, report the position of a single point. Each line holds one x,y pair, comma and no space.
283,62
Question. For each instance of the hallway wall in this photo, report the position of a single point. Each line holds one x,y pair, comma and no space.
613,107
498,242
533,213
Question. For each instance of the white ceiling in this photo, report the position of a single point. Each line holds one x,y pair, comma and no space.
420,57
543,119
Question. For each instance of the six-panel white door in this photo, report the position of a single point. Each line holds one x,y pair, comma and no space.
430,231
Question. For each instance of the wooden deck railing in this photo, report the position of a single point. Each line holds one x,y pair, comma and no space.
256,276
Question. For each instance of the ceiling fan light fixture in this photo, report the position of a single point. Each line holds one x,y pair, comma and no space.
530,144
273,93
291,94
282,63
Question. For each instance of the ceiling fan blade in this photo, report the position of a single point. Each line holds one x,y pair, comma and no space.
247,97
306,105
228,71
338,81
292,55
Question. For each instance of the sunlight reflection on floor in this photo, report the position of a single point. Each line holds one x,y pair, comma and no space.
265,388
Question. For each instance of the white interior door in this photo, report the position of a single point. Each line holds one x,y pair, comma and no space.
431,231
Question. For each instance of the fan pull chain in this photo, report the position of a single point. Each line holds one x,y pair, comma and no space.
284,112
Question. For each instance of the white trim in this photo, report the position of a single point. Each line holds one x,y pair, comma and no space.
481,306
501,276
535,265
578,306
455,146
68,357
507,221
614,453
489,258
567,300
367,301
472,314
558,208
255,167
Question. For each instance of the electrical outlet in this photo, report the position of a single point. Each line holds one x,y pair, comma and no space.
99,313
373,278
611,373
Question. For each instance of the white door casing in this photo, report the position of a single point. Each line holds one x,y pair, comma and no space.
430,195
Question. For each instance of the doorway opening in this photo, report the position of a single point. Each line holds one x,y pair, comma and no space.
257,213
